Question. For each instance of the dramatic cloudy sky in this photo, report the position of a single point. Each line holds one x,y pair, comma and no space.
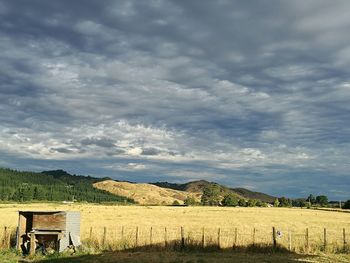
246,93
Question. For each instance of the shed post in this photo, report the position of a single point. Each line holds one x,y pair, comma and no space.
32,243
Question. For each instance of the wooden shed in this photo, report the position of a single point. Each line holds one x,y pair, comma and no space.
43,230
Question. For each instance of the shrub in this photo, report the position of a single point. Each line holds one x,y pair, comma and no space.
190,201
176,203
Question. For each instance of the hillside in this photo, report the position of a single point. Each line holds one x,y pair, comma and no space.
58,185
144,193
52,186
198,186
254,195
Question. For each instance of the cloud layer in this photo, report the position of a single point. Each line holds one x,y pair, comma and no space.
247,94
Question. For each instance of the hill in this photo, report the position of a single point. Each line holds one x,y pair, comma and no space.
254,195
198,186
58,185
144,193
55,185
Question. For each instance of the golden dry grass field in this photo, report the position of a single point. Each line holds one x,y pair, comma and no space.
155,224
145,193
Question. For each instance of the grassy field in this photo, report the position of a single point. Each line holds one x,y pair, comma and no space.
254,225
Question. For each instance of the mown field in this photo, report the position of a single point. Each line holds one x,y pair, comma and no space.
145,226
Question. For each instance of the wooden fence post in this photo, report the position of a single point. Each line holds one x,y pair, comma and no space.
90,235
325,238
104,239
182,238
151,236
274,237
344,239
290,240
307,240
165,237
219,237
4,238
236,237
254,235
203,238
8,241
137,237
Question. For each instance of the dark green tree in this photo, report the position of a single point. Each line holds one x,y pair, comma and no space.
230,200
346,205
211,195
311,199
251,202
285,202
242,202
259,203
322,200
39,193
300,203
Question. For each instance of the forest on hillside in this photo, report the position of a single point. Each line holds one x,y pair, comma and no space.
52,186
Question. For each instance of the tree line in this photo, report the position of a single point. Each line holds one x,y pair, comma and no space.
59,186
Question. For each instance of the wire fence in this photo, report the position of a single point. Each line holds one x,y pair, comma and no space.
138,237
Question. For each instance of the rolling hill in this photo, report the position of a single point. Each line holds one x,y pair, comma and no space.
198,186
145,193
58,185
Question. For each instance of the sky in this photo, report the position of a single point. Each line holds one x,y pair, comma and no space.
250,94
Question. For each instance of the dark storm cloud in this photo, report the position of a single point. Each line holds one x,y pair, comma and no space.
246,93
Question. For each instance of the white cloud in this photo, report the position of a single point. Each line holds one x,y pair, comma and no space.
128,81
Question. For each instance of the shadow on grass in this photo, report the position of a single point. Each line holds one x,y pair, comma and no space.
191,253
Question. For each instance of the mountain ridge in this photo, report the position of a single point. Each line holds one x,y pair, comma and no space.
144,193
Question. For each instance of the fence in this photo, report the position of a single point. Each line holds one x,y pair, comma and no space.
301,241
123,238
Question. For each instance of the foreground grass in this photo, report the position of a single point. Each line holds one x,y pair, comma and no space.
181,257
